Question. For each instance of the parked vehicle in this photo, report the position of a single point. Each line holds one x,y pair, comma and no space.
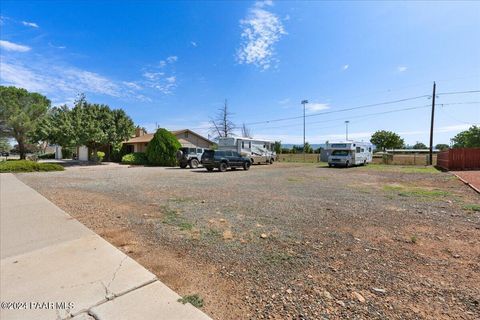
189,156
258,151
224,159
349,153
5,154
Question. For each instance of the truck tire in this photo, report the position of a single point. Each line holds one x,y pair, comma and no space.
246,165
209,169
193,164
347,164
271,161
183,165
222,167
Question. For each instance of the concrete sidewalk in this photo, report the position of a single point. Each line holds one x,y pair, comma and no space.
53,267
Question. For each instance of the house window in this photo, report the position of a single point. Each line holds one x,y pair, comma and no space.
186,134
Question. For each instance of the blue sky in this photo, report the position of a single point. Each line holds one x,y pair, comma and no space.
172,64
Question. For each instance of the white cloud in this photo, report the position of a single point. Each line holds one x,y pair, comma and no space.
10,46
132,85
315,107
30,24
345,67
402,68
261,30
161,77
193,43
61,83
172,59
284,101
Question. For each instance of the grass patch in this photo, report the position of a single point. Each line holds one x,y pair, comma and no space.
416,192
413,239
294,179
472,207
172,218
194,299
278,258
402,169
28,166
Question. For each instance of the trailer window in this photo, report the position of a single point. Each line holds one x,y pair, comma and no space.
340,153
358,149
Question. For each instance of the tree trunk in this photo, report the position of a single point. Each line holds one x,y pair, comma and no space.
21,148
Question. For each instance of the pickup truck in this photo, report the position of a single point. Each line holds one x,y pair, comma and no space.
223,160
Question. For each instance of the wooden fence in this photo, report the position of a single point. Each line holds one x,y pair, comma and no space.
459,159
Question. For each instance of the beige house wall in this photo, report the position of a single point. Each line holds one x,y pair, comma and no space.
139,147
187,139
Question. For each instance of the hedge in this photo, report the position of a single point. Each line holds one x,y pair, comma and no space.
135,158
28,166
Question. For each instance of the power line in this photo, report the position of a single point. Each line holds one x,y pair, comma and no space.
457,92
340,110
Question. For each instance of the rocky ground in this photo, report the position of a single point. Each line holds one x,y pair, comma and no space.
290,241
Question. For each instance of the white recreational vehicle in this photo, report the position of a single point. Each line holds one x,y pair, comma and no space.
349,153
259,151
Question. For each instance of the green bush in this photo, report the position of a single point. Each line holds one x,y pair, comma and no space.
118,152
135,158
28,166
162,148
100,156
47,156
67,153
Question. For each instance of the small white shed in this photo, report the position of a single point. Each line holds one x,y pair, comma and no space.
82,153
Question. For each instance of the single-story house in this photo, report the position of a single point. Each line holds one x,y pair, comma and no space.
186,137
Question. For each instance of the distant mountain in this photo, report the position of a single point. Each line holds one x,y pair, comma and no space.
314,146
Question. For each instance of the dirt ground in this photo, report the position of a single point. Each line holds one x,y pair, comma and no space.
290,241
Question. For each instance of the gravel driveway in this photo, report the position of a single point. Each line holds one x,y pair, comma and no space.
290,241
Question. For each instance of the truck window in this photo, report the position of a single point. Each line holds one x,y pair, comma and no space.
199,150
228,153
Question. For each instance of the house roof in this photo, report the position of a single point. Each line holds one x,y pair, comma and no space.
149,136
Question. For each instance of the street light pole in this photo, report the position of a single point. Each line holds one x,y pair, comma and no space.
346,129
304,102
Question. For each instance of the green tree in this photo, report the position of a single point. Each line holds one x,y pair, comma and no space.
20,113
308,148
5,145
56,128
277,146
386,140
442,146
467,139
419,145
162,148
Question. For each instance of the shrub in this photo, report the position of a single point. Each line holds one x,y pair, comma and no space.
135,158
28,166
100,156
162,148
47,156
67,153
118,152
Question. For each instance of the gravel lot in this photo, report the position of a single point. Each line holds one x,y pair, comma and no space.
290,241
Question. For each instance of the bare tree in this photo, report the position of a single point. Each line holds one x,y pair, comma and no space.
221,125
246,131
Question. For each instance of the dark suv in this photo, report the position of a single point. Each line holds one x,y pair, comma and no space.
223,160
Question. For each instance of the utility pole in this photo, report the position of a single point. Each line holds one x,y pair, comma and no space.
431,124
304,102
346,129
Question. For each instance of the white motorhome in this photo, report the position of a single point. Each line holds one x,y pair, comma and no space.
259,151
349,153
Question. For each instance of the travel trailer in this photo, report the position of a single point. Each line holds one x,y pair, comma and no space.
259,151
349,153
